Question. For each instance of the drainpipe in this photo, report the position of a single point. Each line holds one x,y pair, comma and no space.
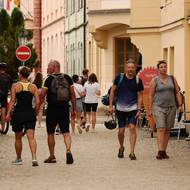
84,37
37,28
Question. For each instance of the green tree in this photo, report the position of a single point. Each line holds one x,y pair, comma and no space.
10,29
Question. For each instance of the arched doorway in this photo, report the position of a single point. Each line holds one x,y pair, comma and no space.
125,50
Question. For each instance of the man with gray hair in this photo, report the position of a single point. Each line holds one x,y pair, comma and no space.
59,90
128,89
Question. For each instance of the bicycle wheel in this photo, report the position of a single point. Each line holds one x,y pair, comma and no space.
6,129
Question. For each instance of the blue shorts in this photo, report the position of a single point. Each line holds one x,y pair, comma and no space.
125,118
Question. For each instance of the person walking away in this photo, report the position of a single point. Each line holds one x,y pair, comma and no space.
128,89
59,90
36,69
92,91
5,85
79,93
162,106
38,82
24,115
84,77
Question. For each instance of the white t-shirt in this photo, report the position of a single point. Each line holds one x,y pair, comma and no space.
78,89
91,90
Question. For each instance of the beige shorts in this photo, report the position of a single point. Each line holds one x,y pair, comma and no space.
164,117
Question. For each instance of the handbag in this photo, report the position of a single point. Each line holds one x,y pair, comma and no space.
110,123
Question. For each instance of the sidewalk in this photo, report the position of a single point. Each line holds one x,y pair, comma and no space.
96,165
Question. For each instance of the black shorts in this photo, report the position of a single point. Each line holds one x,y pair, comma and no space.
57,117
91,107
26,126
84,107
125,118
23,120
3,101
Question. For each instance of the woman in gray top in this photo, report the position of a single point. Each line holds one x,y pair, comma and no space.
162,104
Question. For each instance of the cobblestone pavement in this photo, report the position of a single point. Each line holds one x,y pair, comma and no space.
96,165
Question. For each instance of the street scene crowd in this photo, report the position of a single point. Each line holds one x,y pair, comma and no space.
74,100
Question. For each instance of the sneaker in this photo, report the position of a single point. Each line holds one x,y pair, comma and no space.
83,123
17,162
121,152
132,156
188,138
79,130
87,128
69,158
34,163
83,126
50,160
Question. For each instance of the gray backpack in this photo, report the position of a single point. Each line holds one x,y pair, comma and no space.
60,89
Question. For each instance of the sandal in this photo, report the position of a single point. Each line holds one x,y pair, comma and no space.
132,156
50,160
121,152
35,163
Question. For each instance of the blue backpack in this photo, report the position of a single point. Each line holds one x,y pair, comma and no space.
105,98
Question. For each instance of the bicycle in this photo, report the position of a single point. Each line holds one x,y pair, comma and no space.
7,124
6,128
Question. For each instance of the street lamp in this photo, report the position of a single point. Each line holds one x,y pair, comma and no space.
22,38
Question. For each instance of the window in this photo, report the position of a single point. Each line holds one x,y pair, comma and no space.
81,4
171,65
73,6
165,54
66,7
73,67
1,4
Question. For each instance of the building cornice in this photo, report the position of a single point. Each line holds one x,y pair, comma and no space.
76,28
53,22
162,28
108,11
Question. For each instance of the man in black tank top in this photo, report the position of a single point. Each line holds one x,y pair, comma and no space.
24,115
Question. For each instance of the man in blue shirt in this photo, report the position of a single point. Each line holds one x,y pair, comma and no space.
128,90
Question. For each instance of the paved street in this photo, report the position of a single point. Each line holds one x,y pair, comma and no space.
96,165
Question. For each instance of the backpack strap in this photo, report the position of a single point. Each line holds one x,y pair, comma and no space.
172,77
137,80
156,81
120,79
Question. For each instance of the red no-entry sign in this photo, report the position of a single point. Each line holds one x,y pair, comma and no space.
23,53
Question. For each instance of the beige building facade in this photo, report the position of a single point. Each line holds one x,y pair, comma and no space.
52,31
75,36
144,30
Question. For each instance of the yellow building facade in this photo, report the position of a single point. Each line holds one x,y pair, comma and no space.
144,30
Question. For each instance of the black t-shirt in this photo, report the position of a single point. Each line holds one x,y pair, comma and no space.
5,84
47,84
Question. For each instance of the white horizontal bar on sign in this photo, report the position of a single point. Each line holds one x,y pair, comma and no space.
23,53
